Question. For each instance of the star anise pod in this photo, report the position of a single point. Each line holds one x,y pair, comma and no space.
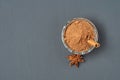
75,59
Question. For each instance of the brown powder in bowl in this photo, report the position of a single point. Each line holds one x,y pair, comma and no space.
77,35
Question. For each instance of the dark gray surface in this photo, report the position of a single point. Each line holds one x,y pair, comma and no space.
31,47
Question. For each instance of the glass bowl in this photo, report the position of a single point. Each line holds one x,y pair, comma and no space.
72,51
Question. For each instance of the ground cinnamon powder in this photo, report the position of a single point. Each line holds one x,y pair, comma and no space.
77,35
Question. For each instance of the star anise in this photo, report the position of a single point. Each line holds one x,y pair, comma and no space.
75,59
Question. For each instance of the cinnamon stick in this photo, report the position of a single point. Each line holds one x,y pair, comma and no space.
93,43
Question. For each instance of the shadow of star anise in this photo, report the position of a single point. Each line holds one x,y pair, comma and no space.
75,59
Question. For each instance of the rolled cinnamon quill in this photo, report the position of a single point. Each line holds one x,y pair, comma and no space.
93,43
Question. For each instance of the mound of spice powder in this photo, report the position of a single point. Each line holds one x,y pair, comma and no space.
80,35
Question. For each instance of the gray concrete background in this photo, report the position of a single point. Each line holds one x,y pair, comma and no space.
31,47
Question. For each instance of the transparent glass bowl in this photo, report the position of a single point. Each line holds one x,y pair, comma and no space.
65,27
